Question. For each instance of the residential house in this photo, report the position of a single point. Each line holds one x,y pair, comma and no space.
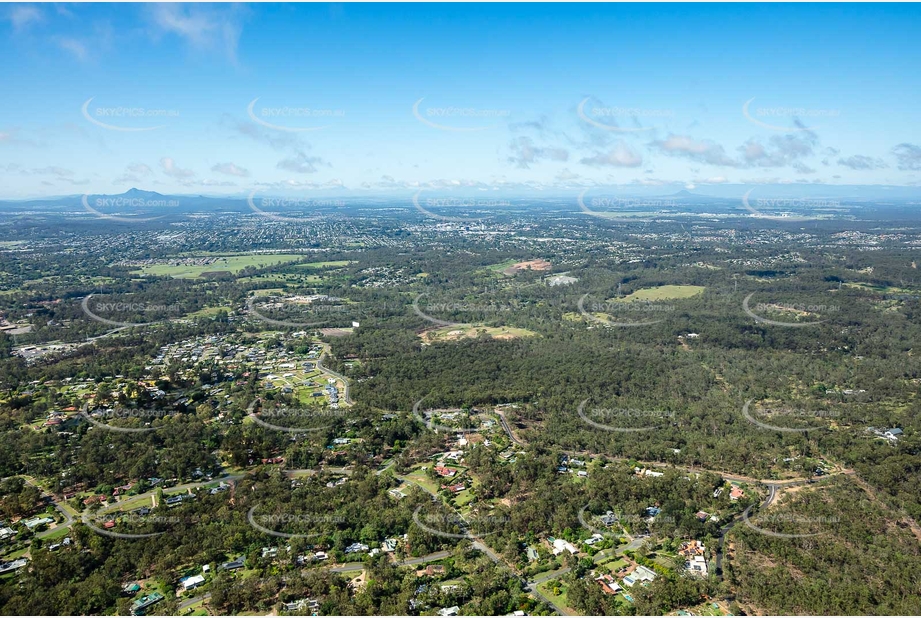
390,545
139,607
233,565
431,570
191,583
609,519
641,573
356,548
691,548
269,552
697,565
445,472
131,588
561,545
38,521
608,584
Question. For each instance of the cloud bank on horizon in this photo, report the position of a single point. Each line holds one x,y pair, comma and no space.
226,99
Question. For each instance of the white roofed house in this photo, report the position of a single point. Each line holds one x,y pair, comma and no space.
191,583
561,545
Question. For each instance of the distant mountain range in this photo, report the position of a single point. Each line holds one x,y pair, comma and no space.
137,202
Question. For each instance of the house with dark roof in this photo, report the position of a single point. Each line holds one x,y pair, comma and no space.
139,607
232,565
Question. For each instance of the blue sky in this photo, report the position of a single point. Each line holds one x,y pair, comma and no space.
514,98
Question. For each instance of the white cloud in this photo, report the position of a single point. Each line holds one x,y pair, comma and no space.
170,169
134,174
703,151
76,48
525,153
621,155
862,162
23,15
202,26
231,169
300,164
909,156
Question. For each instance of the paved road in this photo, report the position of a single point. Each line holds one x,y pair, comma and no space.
532,588
385,468
772,493
189,603
345,381
508,429
438,555
486,549
64,510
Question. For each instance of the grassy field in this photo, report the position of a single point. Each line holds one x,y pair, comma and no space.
208,312
560,600
419,477
59,533
455,333
19,553
232,263
337,263
882,289
615,564
463,498
664,292
498,268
